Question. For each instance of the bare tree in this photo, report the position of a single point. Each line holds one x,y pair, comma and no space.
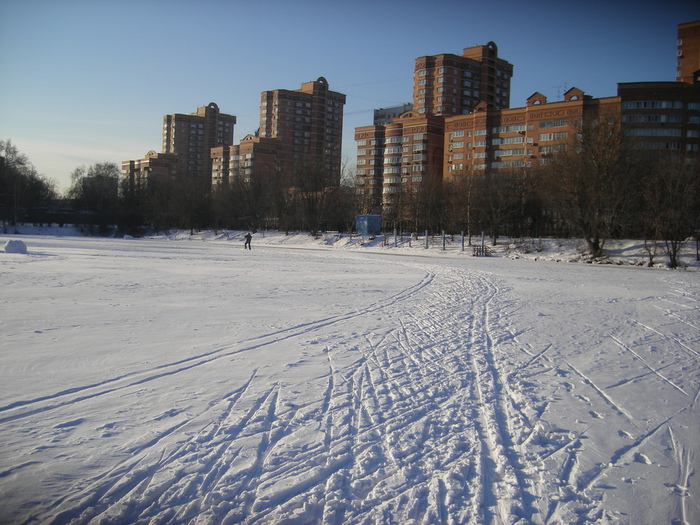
671,192
590,185
22,189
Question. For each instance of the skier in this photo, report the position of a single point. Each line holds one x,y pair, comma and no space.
248,238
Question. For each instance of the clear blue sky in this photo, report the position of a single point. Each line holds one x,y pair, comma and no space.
89,81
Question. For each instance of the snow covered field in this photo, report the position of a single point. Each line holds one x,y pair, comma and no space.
190,381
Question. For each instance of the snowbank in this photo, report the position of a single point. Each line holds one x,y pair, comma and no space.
15,246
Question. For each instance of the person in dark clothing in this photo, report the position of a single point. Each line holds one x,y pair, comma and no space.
248,238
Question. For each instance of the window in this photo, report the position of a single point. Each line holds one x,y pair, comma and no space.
654,132
650,118
560,135
652,104
509,129
556,148
558,123
509,152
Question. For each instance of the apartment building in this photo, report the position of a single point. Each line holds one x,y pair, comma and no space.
394,160
448,84
309,123
191,138
154,167
253,157
387,115
662,115
688,52
402,149
491,141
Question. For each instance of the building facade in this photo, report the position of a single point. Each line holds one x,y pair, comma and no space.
253,157
662,116
450,84
154,167
492,141
688,52
191,138
384,116
308,122
403,150
394,160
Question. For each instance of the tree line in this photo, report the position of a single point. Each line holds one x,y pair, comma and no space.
603,187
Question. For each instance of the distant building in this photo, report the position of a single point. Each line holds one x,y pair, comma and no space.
253,157
153,167
449,84
191,138
688,52
393,161
384,116
662,115
309,123
400,152
491,140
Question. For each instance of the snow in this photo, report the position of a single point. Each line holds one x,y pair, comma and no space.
183,379
15,246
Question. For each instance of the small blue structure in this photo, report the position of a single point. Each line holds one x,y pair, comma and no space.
368,224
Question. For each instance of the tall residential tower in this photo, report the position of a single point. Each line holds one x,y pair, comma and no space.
309,122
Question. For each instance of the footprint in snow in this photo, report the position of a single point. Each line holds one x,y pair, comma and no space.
641,458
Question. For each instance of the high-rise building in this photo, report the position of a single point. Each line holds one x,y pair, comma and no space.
450,84
191,138
401,152
309,122
394,160
688,52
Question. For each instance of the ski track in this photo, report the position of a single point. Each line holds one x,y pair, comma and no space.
426,423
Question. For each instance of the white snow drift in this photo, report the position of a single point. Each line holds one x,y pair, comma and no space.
174,381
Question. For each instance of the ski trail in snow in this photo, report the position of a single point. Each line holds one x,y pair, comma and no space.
651,369
416,408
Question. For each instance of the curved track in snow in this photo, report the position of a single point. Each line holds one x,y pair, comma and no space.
434,404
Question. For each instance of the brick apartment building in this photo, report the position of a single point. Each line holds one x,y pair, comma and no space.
688,52
490,140
479,133
450,84
396,155
187,143
252,157
296,127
